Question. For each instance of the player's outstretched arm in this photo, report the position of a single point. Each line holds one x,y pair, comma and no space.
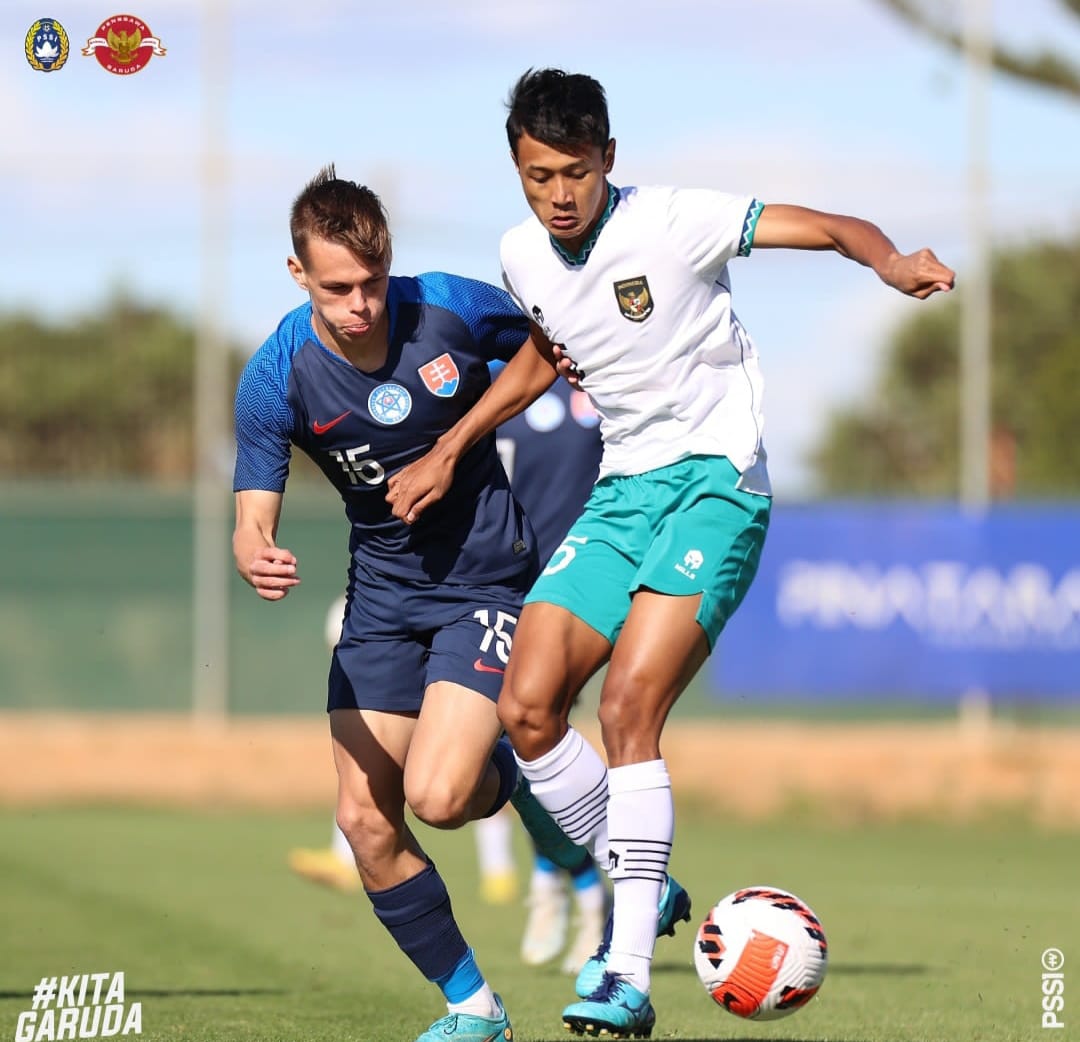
527,376
270,569
917,274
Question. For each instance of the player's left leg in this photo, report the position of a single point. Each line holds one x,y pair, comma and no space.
693,577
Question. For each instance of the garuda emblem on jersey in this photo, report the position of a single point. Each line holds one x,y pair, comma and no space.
635,300
441,376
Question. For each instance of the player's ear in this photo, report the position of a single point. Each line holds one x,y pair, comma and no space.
296,270
609,156
514,158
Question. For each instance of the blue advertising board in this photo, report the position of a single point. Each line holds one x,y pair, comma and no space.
879,600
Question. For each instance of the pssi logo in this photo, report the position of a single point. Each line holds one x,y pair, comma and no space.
46,45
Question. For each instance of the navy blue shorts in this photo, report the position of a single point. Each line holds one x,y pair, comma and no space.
399,636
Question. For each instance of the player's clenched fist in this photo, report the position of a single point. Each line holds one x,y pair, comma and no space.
272,571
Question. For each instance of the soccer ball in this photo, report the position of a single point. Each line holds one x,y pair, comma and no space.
761,953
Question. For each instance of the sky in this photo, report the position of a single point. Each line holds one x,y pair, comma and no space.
832,104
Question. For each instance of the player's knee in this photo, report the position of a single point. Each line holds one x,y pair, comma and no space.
621,717
369,833
437,804
524,720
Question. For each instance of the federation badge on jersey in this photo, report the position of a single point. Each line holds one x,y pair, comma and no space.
123,44
635,300
389,403
441,376
46,45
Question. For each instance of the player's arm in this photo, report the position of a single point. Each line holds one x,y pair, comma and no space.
527,376
918,274
269,568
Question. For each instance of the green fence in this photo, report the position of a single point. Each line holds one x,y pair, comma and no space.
96,603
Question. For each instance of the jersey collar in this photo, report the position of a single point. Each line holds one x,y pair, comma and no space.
576,260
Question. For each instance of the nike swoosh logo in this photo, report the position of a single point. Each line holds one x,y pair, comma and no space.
481,668
322,428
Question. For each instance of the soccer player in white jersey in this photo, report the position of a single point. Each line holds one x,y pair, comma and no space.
629,293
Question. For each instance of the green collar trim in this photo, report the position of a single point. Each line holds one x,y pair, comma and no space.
576,260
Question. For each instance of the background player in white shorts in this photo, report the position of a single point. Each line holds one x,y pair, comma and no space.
630,288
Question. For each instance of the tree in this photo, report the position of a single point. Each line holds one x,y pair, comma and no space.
903,441
1050,69
101,395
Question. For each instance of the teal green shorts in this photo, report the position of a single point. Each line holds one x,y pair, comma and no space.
682,530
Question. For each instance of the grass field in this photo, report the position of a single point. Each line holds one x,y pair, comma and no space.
935,931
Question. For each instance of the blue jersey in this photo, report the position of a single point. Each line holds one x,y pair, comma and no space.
552,453
362,427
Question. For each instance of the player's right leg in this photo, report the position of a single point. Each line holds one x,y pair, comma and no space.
406,891
376,691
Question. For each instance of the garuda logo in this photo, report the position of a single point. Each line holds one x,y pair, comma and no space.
635,300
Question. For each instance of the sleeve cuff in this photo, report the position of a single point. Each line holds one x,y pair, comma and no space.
746,240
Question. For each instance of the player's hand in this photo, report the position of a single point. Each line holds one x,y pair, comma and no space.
272,571
416,487
567,368
918,274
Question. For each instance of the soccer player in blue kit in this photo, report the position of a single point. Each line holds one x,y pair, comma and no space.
629,287
363,378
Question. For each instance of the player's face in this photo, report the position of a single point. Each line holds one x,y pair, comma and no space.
567,192
348,295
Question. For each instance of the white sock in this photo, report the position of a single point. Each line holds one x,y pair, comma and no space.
570,783
494,845
641,823
340,846
480,1004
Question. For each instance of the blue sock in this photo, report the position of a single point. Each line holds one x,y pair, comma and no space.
502,756
586,875
418,915
545,864
463,981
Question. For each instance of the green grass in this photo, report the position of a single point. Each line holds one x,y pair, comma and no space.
935,931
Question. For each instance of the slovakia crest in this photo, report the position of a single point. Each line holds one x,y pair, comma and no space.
389,403
46,45
441,376
635,300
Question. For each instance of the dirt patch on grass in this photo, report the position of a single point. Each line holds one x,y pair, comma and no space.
746,769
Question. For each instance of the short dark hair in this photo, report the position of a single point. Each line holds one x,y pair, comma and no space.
344,212
566,111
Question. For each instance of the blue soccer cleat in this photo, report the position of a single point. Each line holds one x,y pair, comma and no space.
464,1027
615,1008
674,907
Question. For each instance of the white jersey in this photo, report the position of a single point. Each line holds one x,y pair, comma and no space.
645,311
